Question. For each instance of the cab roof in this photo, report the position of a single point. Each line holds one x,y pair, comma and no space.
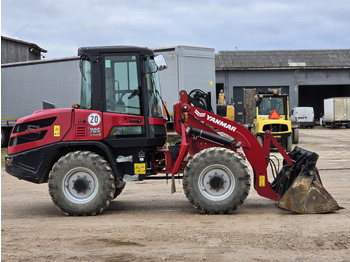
97,50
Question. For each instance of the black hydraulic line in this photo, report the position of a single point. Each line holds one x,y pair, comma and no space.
194,145
273,168
210,136
278,168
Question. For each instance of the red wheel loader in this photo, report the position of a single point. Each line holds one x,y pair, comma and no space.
117,134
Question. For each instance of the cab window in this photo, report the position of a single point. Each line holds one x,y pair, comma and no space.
122,84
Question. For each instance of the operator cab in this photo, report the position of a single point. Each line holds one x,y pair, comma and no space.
268,102
122,82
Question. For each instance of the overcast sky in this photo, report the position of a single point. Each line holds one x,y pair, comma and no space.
62,26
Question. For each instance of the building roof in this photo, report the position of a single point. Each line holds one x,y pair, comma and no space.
36,47
283,59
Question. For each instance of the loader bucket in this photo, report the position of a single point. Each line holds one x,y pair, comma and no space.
300,186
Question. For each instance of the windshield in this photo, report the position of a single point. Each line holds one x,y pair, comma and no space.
153,88
85,99
268,104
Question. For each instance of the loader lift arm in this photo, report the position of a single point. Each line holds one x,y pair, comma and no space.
200,119
200,133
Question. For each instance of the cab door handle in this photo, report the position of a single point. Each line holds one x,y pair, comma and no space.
135,121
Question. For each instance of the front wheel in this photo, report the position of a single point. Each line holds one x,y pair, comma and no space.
81,183
216,181
295,133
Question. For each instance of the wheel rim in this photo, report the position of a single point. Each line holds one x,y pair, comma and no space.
80,185
216,182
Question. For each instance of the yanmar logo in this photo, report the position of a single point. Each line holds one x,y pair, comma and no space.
215,120
221,123
199,114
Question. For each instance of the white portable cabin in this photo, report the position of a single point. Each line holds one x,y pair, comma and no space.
189,68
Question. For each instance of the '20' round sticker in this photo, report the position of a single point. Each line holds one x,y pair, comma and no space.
94,119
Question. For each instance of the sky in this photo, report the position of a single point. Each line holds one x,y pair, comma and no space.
62,26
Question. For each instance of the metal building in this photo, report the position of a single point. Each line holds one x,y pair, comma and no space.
308,76
14,50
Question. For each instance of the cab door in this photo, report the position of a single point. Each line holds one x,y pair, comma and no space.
123,116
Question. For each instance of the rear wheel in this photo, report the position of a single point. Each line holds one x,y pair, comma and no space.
81,183
216,181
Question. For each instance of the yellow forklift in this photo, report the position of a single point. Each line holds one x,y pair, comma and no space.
272,113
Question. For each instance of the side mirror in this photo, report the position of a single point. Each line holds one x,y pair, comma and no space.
160,62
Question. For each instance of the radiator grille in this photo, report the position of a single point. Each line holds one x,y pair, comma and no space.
276,128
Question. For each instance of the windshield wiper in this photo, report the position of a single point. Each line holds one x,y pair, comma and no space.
166,110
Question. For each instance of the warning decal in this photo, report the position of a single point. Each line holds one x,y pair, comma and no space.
139,168
261,181
56,131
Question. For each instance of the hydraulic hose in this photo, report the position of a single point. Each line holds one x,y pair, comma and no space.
209,136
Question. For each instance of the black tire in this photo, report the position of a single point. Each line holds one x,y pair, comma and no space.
216,181
295,133
119,190
81,183
289,143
